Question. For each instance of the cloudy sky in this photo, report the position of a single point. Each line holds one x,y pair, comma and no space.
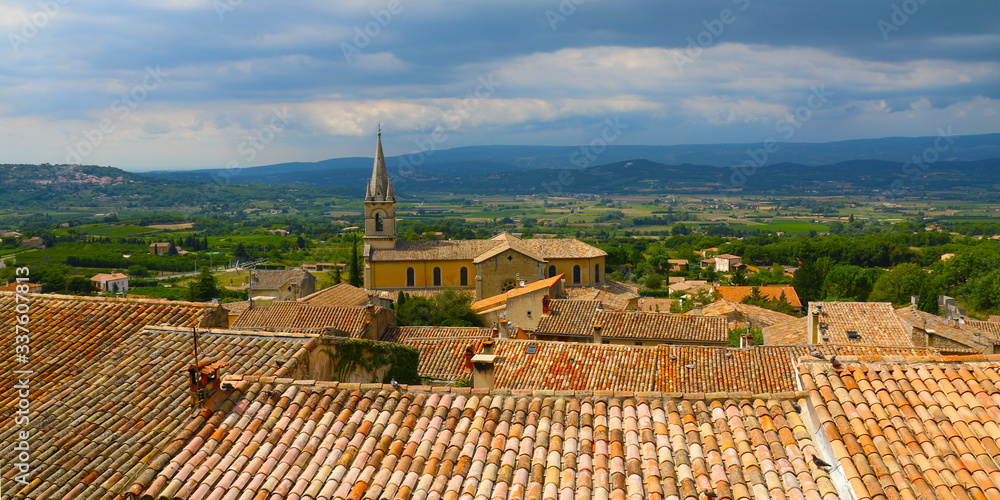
203,83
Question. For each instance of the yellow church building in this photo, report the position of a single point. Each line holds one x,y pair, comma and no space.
490,267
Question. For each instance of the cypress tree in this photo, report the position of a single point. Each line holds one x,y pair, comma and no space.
355,268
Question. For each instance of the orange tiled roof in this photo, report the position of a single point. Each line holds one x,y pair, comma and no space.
738,293
289,316
910,428
400,334
570,316
556,248
791,332
577,318
501,299
745,313
876,322
108,277
663,368
986,326
270,279
650,304
303,439
578,366
339,295
612,294
107,399
444,358
950,336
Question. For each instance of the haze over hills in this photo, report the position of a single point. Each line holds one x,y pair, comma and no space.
484,160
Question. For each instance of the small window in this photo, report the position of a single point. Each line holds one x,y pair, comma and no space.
597,273
437,276
531,349
464,276
379,225
576,274
411,277
552,271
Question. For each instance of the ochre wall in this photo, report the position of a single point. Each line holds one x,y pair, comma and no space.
586,269
393,274
506,265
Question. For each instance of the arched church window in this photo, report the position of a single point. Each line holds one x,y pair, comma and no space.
379,225
437,276
411,277
576,274
508,285
552,271
464,276
597,273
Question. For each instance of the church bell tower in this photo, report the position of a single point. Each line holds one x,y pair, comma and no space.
380,205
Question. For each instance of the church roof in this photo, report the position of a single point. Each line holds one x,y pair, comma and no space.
489,254
472,249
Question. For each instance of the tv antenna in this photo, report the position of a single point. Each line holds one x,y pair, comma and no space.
251,266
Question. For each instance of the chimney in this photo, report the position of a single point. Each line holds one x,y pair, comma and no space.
697,311
469,354
597,334
488,346
813,322
504,329
483,372
546,300
206,377
914,299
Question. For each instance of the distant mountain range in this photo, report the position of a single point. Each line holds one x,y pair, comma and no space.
489,160
968,168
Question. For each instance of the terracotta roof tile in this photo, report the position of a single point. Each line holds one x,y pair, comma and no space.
289,316
875,322
910,427
738,293
791,332
951,336
556,248
339,295
107,398
269,279
377,443
758,317
401,334
613,295
550,365
501,299
577,318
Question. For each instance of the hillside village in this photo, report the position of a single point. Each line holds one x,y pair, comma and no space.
575,387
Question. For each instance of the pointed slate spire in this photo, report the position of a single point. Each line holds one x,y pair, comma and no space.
379,184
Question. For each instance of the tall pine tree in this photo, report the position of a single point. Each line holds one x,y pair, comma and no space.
355,267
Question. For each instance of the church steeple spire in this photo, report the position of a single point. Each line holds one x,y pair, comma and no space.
380,205
378,186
